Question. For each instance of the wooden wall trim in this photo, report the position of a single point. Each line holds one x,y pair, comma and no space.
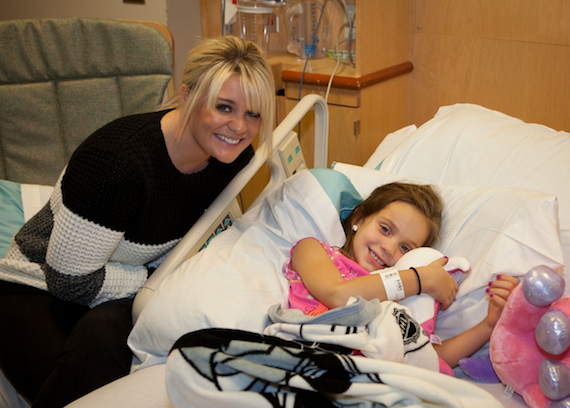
345,82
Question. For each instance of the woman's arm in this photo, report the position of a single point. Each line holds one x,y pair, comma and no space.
96,200
468,342
323,280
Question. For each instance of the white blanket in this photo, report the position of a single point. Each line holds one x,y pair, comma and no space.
381,330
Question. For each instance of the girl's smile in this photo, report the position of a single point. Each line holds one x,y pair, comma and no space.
383,238
377,259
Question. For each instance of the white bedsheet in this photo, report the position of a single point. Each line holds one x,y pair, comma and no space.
143,389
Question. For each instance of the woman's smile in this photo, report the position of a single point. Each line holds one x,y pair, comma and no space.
227,139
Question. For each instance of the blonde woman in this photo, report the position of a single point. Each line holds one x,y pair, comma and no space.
127,196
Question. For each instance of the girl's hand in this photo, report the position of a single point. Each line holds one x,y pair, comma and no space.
471,340
437,283
499,291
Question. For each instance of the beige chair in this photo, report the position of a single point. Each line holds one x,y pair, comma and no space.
60,80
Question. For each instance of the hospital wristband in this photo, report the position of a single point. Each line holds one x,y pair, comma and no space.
393,285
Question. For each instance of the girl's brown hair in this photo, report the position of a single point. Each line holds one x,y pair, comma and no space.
422,197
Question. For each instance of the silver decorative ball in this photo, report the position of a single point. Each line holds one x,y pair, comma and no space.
552,332
542,286
554,380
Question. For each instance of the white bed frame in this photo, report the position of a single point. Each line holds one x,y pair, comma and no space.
193,240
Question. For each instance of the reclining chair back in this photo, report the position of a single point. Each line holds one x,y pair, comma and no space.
61,79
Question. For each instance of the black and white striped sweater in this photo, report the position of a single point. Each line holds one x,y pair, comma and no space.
117,209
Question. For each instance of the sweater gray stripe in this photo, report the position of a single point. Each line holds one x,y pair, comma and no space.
78,289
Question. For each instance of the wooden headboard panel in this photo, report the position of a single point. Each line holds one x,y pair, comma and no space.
508,55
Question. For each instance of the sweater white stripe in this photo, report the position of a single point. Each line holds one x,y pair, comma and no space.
73,237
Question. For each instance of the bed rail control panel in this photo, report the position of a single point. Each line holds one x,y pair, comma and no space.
291,155
226,220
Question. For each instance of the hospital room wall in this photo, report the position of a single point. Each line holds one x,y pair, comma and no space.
182,17
461,50
480,51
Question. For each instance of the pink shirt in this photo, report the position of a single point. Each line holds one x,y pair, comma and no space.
299,296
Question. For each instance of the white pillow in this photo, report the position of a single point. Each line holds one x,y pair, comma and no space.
470,145
498,230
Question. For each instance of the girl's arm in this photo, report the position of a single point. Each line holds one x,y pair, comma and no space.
468,342
323,280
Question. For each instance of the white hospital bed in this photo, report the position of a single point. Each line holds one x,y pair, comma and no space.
497,175
506,194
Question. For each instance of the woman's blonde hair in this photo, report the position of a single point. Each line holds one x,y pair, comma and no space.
422,197
211,64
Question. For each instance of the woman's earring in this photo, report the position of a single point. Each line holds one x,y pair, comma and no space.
355,227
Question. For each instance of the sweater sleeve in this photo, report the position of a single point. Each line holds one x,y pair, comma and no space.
78,267
90,215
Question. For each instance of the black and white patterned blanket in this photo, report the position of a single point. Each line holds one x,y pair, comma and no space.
233,368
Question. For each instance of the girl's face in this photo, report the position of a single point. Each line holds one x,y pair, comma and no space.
224,131
382,238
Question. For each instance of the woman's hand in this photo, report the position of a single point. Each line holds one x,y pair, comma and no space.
438,283
499,291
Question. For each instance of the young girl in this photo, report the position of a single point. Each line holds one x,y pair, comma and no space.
395,219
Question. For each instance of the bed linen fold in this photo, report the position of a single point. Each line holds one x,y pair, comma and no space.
382,330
